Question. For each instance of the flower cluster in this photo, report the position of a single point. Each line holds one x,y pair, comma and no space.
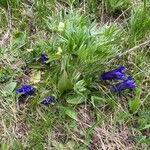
29,90
114,74
118,74
48,100
43,57
127,83
26,89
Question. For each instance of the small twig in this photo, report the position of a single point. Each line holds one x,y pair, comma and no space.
130,50
134,48
122,14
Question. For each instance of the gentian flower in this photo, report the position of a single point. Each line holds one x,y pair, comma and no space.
127,83
113,74
26,89
43,57
48,100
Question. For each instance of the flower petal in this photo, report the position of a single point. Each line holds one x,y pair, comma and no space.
48,100
127,83
43,57
20,90
114,74
26,89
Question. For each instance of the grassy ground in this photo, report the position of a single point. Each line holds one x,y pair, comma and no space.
82,39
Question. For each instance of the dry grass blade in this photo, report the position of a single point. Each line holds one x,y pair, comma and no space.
5,39
134,48
104,136
129,51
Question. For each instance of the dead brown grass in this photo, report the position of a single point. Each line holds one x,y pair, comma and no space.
105,136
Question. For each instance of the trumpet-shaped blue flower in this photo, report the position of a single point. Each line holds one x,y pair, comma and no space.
114,74
26,89
43,57
127,83
48,100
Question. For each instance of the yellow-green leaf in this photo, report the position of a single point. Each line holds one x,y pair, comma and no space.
61,27
57,145
64,83
35,77
9,88
75,99
134,105
71,113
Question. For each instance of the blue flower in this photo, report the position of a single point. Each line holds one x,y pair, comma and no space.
43,57
113,74
48,100
26,89
127,83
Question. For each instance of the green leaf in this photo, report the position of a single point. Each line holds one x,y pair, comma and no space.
134,105
19,39
9,88
79,87
76,99
75,76
64,83
71,113
146,127
97,100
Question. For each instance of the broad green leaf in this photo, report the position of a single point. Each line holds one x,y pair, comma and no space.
9,88
71,113
134,105
19,39
96,100
64,83
35,77
76,99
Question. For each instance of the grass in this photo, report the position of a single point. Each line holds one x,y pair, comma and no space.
82,40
